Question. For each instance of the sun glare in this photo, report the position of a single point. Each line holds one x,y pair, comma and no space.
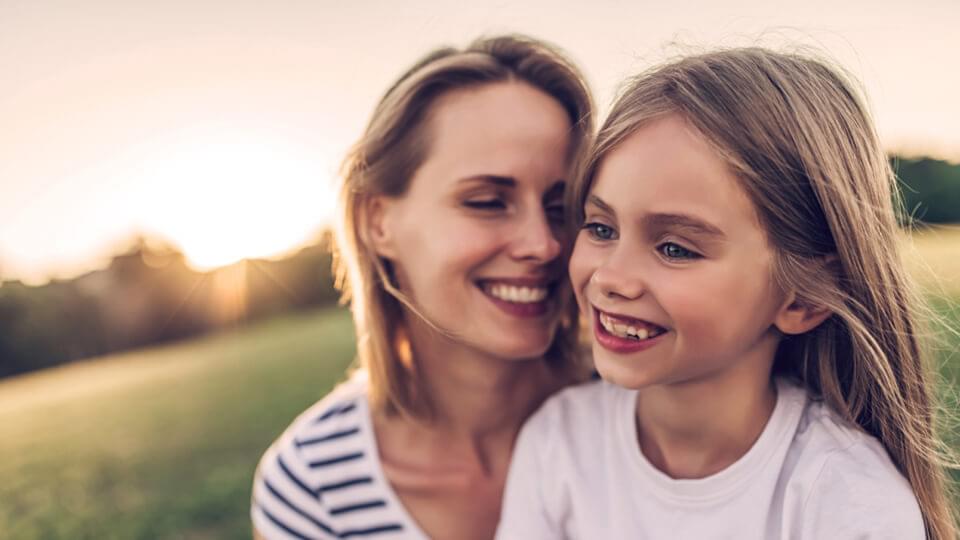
226,198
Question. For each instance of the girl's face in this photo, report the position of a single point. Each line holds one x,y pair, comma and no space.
672,266
475,241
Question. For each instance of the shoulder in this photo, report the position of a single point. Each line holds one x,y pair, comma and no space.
343,407
325,453
847,483
331,422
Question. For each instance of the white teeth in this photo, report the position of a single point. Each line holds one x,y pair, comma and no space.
520,295
623,330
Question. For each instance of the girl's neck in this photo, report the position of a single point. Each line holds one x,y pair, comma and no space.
698,428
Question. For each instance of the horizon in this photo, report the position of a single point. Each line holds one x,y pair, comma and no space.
218,126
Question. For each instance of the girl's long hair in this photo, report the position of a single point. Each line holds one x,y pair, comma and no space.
797,135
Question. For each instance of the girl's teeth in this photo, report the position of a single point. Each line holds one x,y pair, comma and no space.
622,330
520,295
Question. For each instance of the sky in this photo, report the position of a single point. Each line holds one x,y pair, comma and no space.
219,125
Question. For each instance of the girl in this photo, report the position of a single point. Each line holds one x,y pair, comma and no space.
757,334
450,251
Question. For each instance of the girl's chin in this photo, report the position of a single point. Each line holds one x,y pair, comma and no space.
613,371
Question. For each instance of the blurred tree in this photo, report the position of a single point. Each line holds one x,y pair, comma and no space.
930,189
148,295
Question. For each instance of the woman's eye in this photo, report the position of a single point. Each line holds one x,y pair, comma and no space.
485,204
599,231
676,251
556,213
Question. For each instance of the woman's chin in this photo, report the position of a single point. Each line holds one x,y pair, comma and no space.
519,350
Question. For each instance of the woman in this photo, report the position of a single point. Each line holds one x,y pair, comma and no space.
450,248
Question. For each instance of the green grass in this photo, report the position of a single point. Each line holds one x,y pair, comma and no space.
160,443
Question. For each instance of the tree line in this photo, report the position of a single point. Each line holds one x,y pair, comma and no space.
149,295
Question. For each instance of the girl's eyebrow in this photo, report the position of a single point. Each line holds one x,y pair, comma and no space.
683,221
598,202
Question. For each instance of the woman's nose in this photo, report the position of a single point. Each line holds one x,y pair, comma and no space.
536,239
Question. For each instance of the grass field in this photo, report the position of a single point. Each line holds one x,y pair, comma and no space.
161,444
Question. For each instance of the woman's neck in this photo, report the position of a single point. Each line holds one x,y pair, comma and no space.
698,428
479,401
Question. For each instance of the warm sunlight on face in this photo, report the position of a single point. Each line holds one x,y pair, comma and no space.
224,197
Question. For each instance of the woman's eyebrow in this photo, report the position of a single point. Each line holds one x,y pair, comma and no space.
683,221
502,181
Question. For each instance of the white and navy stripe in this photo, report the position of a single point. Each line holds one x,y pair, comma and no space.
322,478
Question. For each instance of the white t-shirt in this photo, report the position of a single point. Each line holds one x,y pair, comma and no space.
578,473
323,477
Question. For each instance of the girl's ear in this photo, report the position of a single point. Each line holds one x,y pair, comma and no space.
376,220
798,317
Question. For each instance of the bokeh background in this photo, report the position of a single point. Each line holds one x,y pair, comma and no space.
166,303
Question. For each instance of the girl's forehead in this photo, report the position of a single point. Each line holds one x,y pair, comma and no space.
666,167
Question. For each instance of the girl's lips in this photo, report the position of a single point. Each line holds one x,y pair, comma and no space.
619,344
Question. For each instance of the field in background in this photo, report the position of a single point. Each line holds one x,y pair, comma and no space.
159,443
933,256
162,443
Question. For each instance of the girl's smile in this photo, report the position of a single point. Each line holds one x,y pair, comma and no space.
621,334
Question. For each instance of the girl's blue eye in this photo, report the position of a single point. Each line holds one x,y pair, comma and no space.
599,231
676,251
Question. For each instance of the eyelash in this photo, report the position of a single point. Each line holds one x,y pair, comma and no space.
594,230
485,204
606,233
555,212
685,255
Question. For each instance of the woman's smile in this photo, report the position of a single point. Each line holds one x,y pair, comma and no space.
520,297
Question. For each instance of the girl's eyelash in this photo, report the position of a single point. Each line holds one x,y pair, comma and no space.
599,231
676,252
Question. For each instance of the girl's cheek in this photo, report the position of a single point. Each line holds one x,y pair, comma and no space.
580,269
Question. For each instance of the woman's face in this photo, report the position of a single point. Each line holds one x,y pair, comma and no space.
475,241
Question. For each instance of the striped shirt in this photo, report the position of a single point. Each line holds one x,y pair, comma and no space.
323,477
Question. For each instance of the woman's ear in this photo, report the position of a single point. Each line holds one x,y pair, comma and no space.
377,225
797,317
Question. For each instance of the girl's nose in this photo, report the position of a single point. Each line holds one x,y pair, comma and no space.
619,277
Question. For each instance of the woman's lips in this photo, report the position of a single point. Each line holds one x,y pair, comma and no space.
520,298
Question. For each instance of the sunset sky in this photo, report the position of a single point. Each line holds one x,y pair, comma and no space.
218,125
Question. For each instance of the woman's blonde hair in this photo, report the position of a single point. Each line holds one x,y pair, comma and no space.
383,161
799,138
